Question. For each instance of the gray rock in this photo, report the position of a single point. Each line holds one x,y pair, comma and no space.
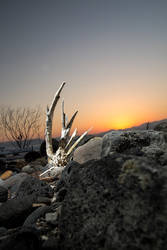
22,184
1,181
31,185
14,211
32,218
118,202
28,169
3,194
52,217
50,243
149,143
52,171
23,239
161,126
27,191
31,168
89,151
14,182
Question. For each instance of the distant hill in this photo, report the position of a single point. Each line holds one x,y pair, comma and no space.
143,126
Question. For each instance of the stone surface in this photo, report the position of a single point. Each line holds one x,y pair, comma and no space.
88,151
161,126
28,169
1,181
31,185
148,143
22,184
118,202
14,211
31,168
24,239
52,217
3,194
15,179
32,218
54,172
24,193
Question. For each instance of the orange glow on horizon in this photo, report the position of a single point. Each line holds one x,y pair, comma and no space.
121,121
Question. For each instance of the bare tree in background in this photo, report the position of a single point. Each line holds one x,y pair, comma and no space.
20,125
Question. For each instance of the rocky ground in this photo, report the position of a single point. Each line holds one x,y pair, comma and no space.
113,195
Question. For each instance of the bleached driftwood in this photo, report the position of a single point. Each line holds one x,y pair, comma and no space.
66,147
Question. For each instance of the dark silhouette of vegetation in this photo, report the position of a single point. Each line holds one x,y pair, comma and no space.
20,125
147,126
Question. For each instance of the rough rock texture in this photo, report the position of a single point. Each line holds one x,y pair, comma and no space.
22,184
24,239
31,185
32,218
29,169
14,180
118,202
24,193
54,172
3,194
14,211
161,127
148,143
88,151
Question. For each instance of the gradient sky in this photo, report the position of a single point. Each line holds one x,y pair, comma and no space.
111,53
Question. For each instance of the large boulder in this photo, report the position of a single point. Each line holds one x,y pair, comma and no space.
13,212
88,151
148,143
22,184
23,239
161,126
24,191
118,202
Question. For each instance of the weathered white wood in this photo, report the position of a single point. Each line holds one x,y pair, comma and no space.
53,172
49,118
71,138
71,149
66,126
60,159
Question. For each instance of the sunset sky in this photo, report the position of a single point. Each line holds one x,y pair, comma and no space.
111,53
